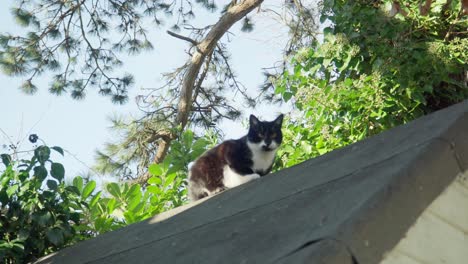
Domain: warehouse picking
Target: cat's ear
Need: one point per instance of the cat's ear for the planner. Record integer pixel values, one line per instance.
(253, 120)
(279, 120)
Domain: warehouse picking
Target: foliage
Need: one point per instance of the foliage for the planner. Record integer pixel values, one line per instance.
(39, 213)
(81, 42)
(129, 203)
(134, 150)
(375, 69)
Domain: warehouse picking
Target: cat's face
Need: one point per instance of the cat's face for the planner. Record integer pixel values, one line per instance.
(264, 135)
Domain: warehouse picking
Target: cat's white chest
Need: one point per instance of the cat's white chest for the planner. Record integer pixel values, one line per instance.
(262, 160)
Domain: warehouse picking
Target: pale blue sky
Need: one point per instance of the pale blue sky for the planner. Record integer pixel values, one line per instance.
(81, 127)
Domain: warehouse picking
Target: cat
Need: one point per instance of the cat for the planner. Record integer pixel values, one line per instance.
(238, 161)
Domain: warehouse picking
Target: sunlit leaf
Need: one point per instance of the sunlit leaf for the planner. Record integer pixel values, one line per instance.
(88, 189)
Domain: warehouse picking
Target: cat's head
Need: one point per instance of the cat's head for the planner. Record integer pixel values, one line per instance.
(265, 135)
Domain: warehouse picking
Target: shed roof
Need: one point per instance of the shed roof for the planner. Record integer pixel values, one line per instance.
(349, 206)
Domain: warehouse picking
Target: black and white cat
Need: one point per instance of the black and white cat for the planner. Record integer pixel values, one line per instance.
(238, 161)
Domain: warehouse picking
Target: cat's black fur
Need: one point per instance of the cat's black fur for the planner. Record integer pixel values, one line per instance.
(234, 162)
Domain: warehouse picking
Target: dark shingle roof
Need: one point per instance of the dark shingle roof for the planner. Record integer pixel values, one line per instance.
(349, 206)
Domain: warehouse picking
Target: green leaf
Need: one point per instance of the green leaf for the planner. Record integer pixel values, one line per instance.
(200, 144)
(95, 199)
(153, 189)
(280, 89)
(139, 208)
(58, 149)
(327, 31)
(98, 223)
(176, 166)
(52, 184)
(348, 82)
(40, 172)
(78, 183)
(6, 159)
(55, 236)
(155, 169)
(23, 175)
(323, 18)
(169, 179)
(88, 189)
(113, 189)
(135, 190)
(18, 246)
(287, 96)
(133, 203)
(12, 190)
(188, 138)
(57, 171)
(111, 205)
(42, 153)
(42, 218)
(154, 180)
(73, 190)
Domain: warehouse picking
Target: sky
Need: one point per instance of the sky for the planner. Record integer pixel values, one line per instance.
(82, 127)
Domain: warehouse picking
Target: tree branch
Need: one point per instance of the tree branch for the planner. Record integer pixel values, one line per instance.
(165, 137)
(425, 8)
(396, 8)
(206, 46)
(175, 35)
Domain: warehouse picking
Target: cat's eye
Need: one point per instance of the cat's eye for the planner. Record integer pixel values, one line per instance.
(261, 135)
(273, 135)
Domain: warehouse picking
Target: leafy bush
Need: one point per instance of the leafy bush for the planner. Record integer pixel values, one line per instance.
(125, 203)
(374, 70)
(39, 213)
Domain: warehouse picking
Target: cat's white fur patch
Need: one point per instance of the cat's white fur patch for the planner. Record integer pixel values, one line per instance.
(195, 189)
(232, 179)
(190, 165)
(261, 159)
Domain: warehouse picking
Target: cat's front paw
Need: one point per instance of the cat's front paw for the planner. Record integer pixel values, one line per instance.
(255, 176)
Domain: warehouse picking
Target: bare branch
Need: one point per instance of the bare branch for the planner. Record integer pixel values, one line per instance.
(175, 35)
(202, 78)
(424, 9)
(396, 9)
